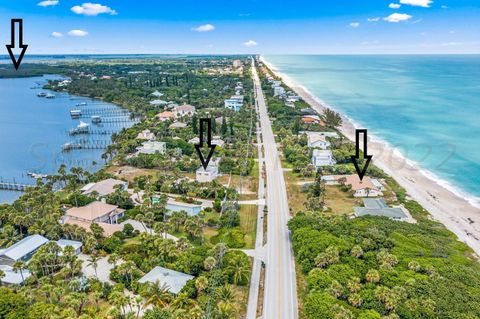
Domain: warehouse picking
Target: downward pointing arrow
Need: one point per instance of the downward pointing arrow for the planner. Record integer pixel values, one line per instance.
(10, 47)
(211, 146)
(356, 157)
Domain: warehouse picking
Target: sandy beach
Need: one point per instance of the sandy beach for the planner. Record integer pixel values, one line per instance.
(455, 212)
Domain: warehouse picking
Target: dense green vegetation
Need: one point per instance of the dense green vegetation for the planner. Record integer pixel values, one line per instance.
(373, 267)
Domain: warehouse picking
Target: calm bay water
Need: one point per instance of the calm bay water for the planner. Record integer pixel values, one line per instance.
(33, 130)
(426, 106)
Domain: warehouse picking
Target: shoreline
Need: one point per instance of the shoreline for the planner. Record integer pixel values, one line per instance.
(455, 212)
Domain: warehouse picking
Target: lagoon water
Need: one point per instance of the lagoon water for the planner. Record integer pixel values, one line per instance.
(426, 106)
(33, 130)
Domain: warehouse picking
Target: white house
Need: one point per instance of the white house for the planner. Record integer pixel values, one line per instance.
(216, 140)
(234, 103)
(318, 141)
(152, 147)
(146, 135)
(278, 91)
(173, 280)
(76, 245)
(322, 158)
(184, 110)
(14, 277)
(209, 174)
(22, 250)
(105, 187)
(378, 207)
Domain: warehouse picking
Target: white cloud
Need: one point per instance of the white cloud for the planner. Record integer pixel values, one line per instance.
(376, 19)
(444, 7)
(47, 3)
(354, 24)
(93, 9)
(77, 33)
(394, 6)
(250, 43)
(56, 34)
(397, 17)
(417, 3)
(204, 28)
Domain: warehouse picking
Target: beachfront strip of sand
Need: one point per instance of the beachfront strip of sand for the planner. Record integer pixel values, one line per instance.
(455, 212)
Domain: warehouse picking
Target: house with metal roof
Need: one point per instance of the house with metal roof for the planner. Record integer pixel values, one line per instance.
(378, 207)
(13, 277)
(22, 250)
(173, 280)
(105, 187)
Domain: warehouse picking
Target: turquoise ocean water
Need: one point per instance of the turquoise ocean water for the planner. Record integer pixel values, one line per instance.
(426, 106)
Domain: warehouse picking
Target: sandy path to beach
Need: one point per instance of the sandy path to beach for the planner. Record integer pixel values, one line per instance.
(455, 212)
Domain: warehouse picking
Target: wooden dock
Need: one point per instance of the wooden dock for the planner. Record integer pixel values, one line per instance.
(16, 187)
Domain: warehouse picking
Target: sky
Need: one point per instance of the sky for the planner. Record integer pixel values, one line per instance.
(245, 26)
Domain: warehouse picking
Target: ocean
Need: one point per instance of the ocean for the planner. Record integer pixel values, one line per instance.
(426, 106)
(34, 129)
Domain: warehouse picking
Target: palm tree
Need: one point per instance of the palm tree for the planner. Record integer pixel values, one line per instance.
(201, 283)
(209, 263)
(355, 300)
(156, 295)
(113, 259)
(335, 289)
(19, 266)
(2, 275)
(356, 251)
(372, 276)
(354, 285)
(93, 261)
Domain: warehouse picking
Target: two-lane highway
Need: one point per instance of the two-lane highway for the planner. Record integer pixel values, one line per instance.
(280, 293)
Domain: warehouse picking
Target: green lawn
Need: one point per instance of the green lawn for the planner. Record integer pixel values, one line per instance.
(248, 224)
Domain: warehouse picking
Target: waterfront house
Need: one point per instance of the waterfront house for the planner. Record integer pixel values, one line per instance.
(234, 103)
(174, 281)
(146, 135)
(312, 119)
(22, 250)
(326, 134)
(278, 91)
(367, 187)
(322, 158)
(378, 207)
(152, 147)
(208, 174)
(317, 141)
(184, 110)
(165, 116)
(105, 187)
(190, 209)
(158, 102)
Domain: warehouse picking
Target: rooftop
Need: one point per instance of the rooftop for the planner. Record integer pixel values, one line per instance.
(173, 280)
(378, 207)
(12, 277)
(24, 247)
(103, 188)
(92, 211)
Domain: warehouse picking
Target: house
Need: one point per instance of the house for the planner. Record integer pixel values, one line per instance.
(157, 94)
(216, 140)
(177, 125)
(173, 280)
(165, 116)
(22, 250)
(190, 209)
(378, 207)
(278, 91)
(208, 174)
(184, 110)
(317, 141)
(237, 63)
(364, 188)
(102, 214)
(76, 245)
(105, 187)
(146, 135)
(152, 147)
(158, 102)
(14, 277)
(312, 119)
(326, 134)
(322, 158)
(234, 103)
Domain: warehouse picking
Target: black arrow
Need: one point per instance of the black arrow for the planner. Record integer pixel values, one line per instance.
(16, 62)
(361, 172)
(211, 146)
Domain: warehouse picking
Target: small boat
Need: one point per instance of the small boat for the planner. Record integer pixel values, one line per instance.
(36, 176)
(42, 94)
(82, 104)
(96, 119)
(50, 96)
(75, 114)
